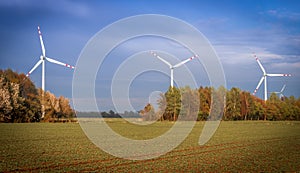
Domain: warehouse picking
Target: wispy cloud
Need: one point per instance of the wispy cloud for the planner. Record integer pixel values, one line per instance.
(74, 8)
(286, 65)
(241, 55)
(283, 14)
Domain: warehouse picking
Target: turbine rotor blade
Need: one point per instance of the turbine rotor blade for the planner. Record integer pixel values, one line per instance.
(166, 62)
(185, 61)
(260, 65)
(34, 67)
(279, 75)
(41, 41)
(59, 63)
(259, 83)
(282, 88)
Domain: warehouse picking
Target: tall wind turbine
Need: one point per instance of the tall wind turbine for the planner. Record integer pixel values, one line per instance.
(173, 66)
(264, 78)
(42, 61)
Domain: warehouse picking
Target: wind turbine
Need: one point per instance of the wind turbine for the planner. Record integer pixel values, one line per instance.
(281, 92)
(42, 61)
(173, 66)
(264, 78)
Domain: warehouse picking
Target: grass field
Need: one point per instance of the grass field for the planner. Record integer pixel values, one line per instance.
(236, 147)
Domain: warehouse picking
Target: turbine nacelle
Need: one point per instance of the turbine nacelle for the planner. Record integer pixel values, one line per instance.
(172, 67)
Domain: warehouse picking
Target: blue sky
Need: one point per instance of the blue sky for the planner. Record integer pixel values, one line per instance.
(235, 29)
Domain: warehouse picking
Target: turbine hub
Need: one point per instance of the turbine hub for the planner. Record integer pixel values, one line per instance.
(42, 57)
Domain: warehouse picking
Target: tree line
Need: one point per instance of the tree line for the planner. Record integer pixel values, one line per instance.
(20, 100)
(237, 105)
(108, 114)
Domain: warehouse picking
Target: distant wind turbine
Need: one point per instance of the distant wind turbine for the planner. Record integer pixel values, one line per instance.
(264, 78)
(280, 92)
(42, 61)
(173, 66)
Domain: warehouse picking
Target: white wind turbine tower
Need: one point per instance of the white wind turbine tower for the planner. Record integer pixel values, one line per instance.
(264, 78)
(173, 66)
(42, 61)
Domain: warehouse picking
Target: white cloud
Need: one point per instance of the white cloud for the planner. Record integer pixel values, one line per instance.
(74, 8)
(287, 65)
(241, 55)
(283, 14)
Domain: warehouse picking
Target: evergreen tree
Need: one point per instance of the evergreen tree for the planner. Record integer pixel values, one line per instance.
(173, 104)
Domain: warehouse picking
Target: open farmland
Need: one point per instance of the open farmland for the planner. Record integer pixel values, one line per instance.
(247, 146)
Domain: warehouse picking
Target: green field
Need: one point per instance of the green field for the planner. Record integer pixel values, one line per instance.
(246, 146)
